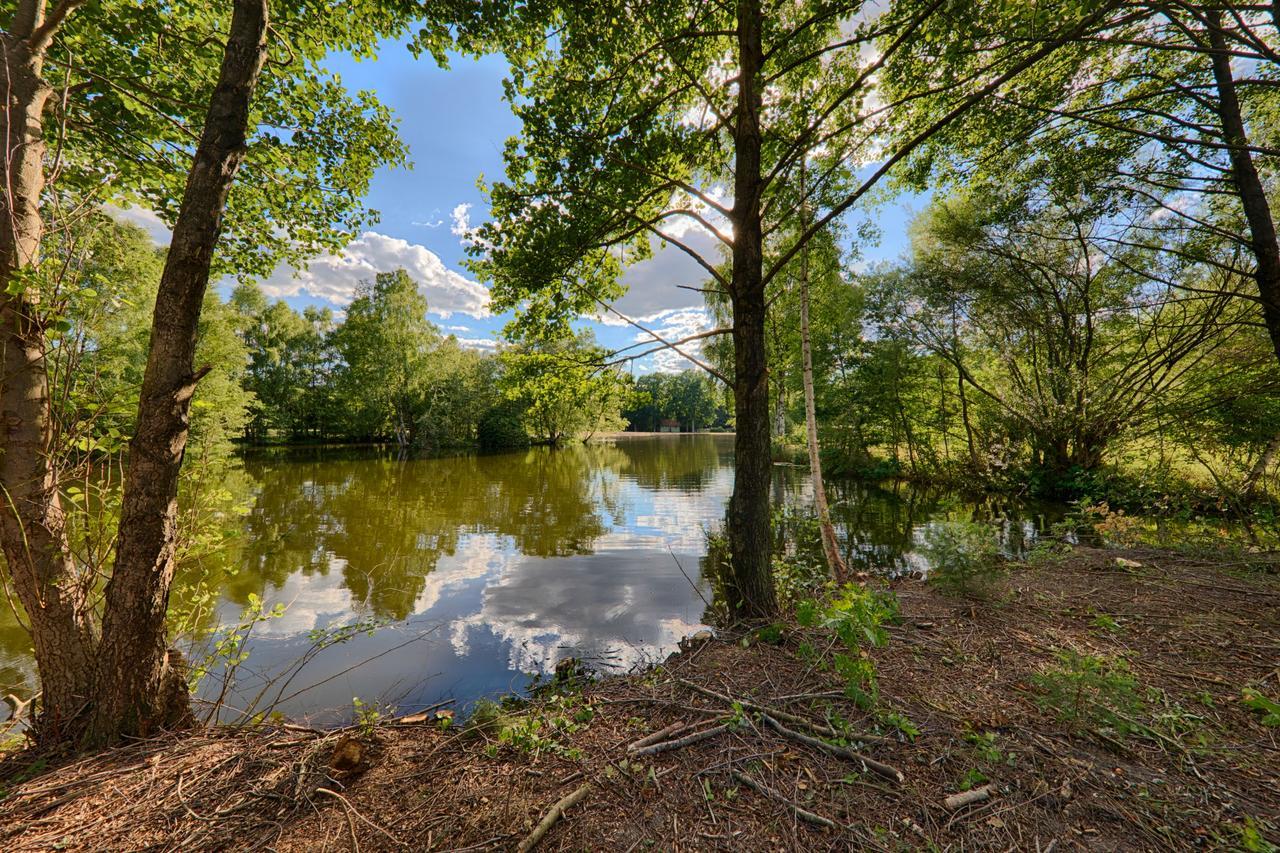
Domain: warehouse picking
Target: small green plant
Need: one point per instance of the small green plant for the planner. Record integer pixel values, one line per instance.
(984, 743)
(1103, 622)
(1087, 691)
(857, 617)
(963, 558)
(972, 778)
(899, 721)
(365, 716)
(1268, 708)
(1251, 839)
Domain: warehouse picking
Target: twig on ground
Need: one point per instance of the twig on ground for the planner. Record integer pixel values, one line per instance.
(554, 814)
(967, 798)
(664, 746)
(779, 714)
(802, 813)
(891, 773)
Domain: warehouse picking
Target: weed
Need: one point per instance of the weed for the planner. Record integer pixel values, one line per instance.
(900, 722)
(1103, 622)
(1086, 691)
(366, 717)
(972, 778)
(857, 617)
(984, 743)
(1251, 839)
(1268, 708)
(963, 558)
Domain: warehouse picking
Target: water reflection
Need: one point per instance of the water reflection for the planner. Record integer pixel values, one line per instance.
(487, 567)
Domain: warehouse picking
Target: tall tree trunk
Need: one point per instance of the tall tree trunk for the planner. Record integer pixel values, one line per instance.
(1253, 196)
(830, 547)
(751, 588)
(141, 686)
(32, 523)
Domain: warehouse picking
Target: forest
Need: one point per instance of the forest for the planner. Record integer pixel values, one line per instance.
(1072, 354)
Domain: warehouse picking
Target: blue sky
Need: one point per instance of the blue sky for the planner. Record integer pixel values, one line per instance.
(455, 123)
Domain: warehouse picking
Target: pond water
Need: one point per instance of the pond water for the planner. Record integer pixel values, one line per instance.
(458, 577)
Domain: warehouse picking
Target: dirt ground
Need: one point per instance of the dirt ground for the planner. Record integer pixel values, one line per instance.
(1140, 741)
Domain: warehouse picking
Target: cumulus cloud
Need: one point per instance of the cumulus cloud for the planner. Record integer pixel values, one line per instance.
(653, 285)
(145, 219)
(333, 278)
(482, 344)
(674, 326)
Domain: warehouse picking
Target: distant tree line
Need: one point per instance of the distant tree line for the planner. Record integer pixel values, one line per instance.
(691, 398)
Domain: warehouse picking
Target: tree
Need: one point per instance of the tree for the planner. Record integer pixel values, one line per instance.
(1170, 104)
(1069, 342)
(562, 391)
(134, 141)
(640, 114)
(385, 344)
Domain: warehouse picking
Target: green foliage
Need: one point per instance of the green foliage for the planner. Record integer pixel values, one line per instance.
(563, 389)
(137, 79)
(1087, 691)
(366, 717)
(1255, 701)
(963, 558)
(856, 616)
(690, 397)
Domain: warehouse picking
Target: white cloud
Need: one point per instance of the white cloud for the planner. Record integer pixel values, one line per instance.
(461, 227)
(145, 219)
(671, 325)
(483, 344)
(653, 285)
(333, 278)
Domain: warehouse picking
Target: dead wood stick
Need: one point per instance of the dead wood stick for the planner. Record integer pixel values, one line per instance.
(967, 798)
(663, 746)
(779, 714)
(803, 814)
(660, 734)
(553, 814)
(891, 773)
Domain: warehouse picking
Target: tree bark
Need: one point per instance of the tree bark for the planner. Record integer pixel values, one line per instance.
(751, 587)
(140, 685)
(32, 523)
(1253, 195)
(1260, 467)
(830, 547)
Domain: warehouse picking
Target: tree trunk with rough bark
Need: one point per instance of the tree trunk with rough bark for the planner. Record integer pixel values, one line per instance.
(1244, 174)
(751, 587)
(32, 523)
(141, 685)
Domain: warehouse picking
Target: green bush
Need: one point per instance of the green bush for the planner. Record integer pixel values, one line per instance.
(501, 427)
(1087, 691)
(963, 558)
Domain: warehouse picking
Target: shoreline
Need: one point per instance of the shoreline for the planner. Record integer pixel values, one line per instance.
(759, 746)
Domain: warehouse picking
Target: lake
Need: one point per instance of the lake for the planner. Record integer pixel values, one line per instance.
(408, 582)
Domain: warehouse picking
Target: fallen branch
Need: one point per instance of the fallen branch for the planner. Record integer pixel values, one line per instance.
(891, 773)
(779, 714)
(801, 813)
(553, 814)
(666, 745)
(660, 734)
(968, 798)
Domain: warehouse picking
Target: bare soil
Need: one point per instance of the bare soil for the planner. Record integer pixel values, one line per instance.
(1196, 769)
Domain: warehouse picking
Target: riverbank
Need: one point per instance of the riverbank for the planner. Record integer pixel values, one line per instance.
(1099, 701)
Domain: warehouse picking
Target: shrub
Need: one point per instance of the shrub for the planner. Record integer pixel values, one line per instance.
(1087, 691)
(963, 558)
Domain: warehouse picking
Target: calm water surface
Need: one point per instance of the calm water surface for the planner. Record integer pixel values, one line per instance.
(479, 570)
